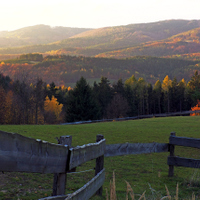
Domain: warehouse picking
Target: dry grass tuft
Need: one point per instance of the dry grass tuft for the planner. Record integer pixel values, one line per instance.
(113, 195)
(129, 190)
(130, 193)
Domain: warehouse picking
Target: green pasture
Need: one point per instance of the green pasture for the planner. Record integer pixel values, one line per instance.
(145, 172)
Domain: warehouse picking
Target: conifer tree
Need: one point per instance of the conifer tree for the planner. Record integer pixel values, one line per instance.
(80, 103)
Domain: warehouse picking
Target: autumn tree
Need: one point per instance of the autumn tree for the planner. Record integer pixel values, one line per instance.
(165, 86)
(52, 110)
(196, 108)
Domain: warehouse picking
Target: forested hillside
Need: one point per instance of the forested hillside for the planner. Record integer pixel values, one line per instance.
(162, 38)
(183, 43)
(66, 70)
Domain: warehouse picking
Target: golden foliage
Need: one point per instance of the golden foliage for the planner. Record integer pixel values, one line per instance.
(166, 83)
(52, 106)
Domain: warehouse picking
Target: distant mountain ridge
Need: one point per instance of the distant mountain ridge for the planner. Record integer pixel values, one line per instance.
(163, 38)
(38, 34)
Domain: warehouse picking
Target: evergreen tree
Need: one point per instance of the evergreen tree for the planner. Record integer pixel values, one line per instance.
(104, 94)
(52, 90)
(157, 96)
(181, 95)
(173, 96)
(194, 88)
(80, 103)
(119, 87)
(131, 95)
(39, 97)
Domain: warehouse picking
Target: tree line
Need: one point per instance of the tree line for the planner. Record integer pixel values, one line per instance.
(22, 102)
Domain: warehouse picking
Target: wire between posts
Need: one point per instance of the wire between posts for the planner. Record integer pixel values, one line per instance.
(81, 171)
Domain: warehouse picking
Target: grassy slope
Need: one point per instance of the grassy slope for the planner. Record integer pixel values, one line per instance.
(138, 170)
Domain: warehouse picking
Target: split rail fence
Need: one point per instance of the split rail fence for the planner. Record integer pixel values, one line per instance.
(22, 154)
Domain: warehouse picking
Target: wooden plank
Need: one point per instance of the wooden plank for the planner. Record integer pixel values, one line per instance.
(89, 189)
(184, 162)
(184, 141)
(22, 154)
(82, 154)
(134, 148)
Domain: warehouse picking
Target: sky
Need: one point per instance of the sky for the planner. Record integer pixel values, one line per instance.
(16, 14)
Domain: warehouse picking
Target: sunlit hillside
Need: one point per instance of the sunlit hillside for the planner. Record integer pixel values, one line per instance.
(155, 39)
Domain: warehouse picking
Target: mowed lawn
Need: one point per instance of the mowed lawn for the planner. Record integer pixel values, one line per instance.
(145, 172)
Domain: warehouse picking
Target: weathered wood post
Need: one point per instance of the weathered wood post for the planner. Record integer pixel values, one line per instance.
(59, 183)
(171, 150)
(99, 164)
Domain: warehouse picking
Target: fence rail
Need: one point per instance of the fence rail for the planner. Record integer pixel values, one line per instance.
(82, 154)
(184, 141)
(184, 162)
(22, 154)
(84, 192)
(134, 148)
(88, 189)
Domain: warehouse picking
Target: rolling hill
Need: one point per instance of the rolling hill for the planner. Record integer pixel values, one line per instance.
(119, 40)
(182, 43)
(38, 34)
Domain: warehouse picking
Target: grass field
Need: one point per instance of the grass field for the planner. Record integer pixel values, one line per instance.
(146, 172)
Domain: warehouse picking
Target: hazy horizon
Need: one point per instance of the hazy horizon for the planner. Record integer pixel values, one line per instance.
(94, 28)
(93, 14)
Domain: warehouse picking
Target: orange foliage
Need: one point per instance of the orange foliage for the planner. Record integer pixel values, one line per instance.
(197, 107)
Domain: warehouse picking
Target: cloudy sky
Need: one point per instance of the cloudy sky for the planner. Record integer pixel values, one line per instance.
(17, 14)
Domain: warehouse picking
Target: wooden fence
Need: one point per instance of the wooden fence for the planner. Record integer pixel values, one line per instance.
(179, 161)
(22, 154)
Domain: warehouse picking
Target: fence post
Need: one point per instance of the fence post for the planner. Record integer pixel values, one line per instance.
(99, 164)
(59, 182)
(171, 150)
